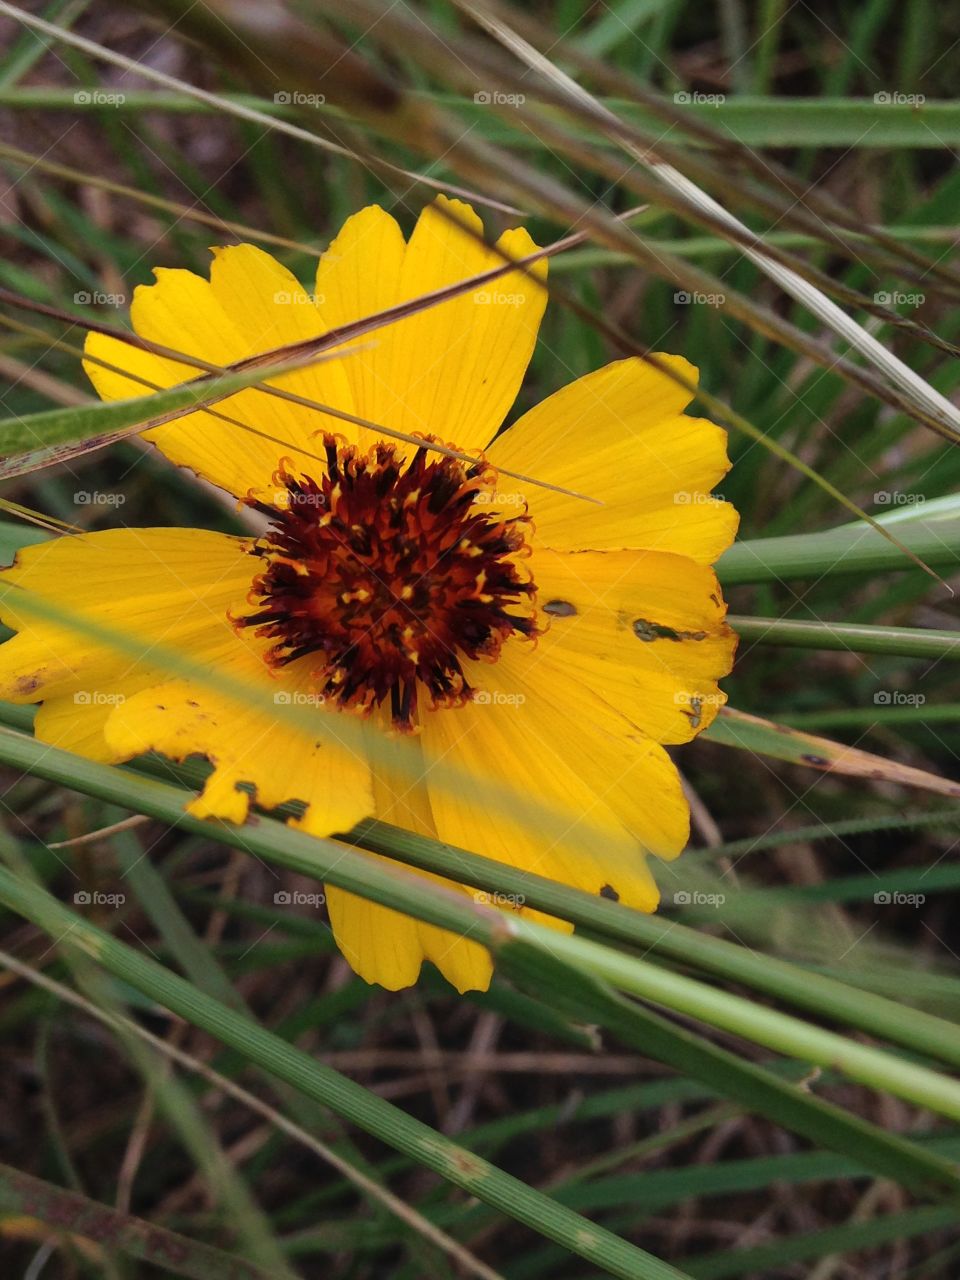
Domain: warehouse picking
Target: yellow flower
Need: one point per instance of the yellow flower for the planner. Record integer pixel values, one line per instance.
(538, 642)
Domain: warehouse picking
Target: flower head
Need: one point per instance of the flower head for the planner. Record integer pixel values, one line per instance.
(542, 644)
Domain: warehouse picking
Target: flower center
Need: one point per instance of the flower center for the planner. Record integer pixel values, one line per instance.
(390, 574)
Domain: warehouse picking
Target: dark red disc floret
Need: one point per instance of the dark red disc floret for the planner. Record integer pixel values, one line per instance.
(390, 573)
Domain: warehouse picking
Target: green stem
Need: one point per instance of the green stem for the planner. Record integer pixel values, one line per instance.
(907, 642)
(848, 549)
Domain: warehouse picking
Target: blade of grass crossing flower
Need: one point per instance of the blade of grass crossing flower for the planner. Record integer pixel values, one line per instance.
(325, 860)
(577, 991)
(344, 732)
(613, 922)
(838, 1001)
(52, 435)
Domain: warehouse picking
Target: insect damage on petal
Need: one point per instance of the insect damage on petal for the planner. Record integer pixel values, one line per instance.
(389, 573)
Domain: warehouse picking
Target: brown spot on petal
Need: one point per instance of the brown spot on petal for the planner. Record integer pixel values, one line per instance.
(643, 629)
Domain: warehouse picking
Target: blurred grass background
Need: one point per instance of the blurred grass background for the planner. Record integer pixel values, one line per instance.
(797, 857)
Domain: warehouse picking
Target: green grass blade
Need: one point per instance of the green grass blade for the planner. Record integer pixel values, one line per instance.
(358, 1105)
(905, 642)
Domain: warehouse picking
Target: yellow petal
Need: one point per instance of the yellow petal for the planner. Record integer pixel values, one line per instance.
(383, 946)
(451, 370)
(619, 436)
(643, 629)
(163, 586)
(251, 304)
(253, 751)
(379, 944)
(535, 732)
